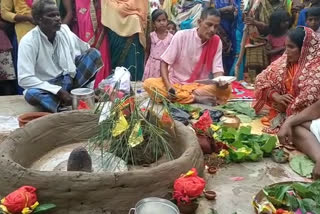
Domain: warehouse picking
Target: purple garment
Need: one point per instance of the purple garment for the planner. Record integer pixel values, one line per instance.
(5, 43)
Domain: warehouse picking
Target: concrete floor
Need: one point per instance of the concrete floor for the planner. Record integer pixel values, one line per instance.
(232, 196)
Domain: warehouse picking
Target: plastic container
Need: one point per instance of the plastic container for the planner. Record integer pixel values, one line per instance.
(83, 99)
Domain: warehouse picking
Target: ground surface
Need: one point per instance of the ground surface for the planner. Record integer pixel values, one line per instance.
(232, 196)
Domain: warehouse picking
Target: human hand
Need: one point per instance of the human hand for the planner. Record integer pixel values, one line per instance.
(65, 97)
(279, 107)
(283, 99)
(172, 93)
(249, 20)
(285, 133)
(30, 19)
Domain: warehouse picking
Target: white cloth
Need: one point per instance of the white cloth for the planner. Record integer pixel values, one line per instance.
(315, 128)
(39, 60)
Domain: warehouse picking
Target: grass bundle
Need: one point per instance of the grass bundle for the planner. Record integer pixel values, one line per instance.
(140, 138)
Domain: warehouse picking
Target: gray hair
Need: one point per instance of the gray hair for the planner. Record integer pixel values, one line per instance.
(38, 8)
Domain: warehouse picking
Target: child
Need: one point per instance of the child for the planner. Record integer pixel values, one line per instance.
(172, 27)
(313, 19)
(160, 40)
(278, 26)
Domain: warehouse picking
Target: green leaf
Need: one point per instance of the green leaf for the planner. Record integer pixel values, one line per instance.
(44, 207)
(310, 205)
(256, 154)
(302, 165)
(302, 190)
(281, 192)
(269, 145)
(241, 108)
(245, 130)
(244, 118)
(240, 155)
(291, 202)
(301, 206)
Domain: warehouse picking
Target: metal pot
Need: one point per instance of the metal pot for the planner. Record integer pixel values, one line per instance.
(84, 95)
(154, 205)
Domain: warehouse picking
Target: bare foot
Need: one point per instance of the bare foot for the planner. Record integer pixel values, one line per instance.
(206, 100)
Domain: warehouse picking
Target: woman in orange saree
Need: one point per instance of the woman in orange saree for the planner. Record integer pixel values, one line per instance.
(291, 83)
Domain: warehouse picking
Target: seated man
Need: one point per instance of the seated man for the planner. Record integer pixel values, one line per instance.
(313, 19)
(193, 54)
(52, 60)
(303, 130)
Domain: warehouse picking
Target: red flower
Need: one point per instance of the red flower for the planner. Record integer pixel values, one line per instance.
(188, 186)
(24, 197)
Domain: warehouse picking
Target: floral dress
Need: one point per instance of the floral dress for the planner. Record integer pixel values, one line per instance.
(6, 65)
(158, 47)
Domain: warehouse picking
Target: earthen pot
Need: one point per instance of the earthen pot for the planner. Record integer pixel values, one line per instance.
(27, 117)
(206, 143)
(283, 158)
(231, 121)
(188, 208)
(212, 170)
(210, 195)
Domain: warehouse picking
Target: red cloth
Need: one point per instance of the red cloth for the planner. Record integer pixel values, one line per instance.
(245, 93)
(23, 197)
(305, 82)
(83, 105)
(188, 186)
(206, 59)
(204, 123)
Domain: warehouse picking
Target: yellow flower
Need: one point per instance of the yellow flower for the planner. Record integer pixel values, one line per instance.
(4, 208)
(266, 208)
(244, 150)
(189, 173)
(35, 205)
(215, 127)
(223, 153)
(26, 210)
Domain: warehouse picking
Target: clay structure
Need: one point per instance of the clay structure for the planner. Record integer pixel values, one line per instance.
(82, 192)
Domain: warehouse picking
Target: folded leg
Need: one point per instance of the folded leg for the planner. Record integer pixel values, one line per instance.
(37, 97)
(88, 65)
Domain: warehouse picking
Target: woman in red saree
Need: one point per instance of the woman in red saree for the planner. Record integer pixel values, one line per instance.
(291, 83)
(91, 30)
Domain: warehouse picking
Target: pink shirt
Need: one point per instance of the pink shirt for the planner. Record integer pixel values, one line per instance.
(183, 54)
